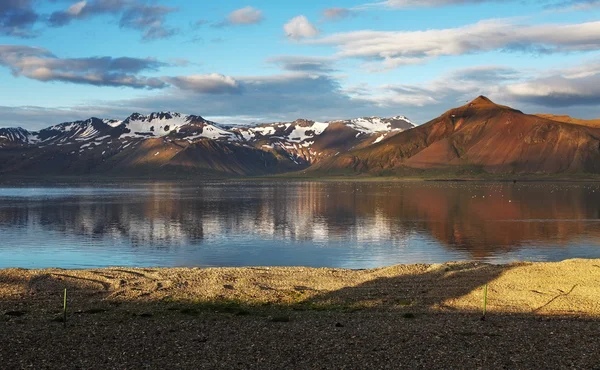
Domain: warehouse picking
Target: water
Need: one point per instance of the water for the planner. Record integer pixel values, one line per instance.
(334, 224)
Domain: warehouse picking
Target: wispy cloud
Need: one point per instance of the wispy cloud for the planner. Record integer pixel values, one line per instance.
(213, 83)
(574, 5)
(134, 14)
(336, 14)
(422, 3)
(86, 9)
(149, 19)
(295, 63)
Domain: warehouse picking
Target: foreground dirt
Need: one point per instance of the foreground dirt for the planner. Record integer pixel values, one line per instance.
(540, 315)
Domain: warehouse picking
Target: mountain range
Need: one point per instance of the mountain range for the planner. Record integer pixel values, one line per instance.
(167, 143)
(478, 137)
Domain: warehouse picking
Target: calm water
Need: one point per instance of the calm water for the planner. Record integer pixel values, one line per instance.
(335, 224)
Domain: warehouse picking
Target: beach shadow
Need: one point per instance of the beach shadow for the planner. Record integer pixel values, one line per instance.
(435, 287)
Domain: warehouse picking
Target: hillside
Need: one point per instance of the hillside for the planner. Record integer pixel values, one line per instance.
(481, 136)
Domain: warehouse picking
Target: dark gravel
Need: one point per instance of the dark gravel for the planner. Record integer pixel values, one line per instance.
(121, 339)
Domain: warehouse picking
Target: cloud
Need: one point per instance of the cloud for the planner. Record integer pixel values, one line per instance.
(394, 49)
(247, 15)
(426, 3)
(299, 28)
(566, 87)
(150, 19)
(40, 64)
(424, 101)
(574, 91)
(199, 23)
(272, 98)
(180, 62)
(85, 9)
(288, 96)
(402, 4)
(574, 5)
(303, 63)
(241, 17)
(134, 14)
(213, 83)
(334, 14)
(36, 118)
(17, 18)
(480, 74)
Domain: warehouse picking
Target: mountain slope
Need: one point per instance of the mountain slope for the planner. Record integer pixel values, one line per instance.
(575, 121)
(481, 134)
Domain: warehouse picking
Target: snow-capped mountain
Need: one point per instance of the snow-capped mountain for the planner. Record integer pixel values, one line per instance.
(307, 141)
(162, 124)
(373, 125)
(16, 136)
(164, 138)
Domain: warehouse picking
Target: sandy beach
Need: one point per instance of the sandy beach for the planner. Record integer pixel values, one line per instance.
(539, 315)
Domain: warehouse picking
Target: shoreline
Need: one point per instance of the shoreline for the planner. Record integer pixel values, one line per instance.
(294, 177)
(122, 181)
(516, 287)
(541, 314)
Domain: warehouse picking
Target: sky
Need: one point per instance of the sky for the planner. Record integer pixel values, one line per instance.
(239, 62)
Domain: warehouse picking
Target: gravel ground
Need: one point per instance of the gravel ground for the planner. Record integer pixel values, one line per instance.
(420, 316)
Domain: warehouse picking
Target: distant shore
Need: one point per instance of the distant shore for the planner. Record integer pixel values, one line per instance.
(8, 179)
(304, 317)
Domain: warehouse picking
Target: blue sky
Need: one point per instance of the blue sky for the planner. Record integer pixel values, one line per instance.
(259, 61)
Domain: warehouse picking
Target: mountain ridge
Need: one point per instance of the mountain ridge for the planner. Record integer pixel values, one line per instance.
(162, 141)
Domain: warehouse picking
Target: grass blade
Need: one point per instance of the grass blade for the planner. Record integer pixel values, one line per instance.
(485, 291)
(65, 309)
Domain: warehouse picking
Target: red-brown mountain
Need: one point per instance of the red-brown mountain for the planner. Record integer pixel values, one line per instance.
(481, 136)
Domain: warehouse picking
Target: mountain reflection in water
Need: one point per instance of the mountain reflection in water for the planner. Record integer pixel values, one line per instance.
(337, 224)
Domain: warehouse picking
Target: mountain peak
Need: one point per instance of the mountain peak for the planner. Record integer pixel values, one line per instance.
(481, 101)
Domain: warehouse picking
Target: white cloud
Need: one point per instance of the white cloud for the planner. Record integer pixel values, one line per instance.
(247, 15)
(565, 87)
(76, 8)
(393, 49)
(299, 28)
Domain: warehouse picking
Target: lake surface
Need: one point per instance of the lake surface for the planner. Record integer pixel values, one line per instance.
(333, 224)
